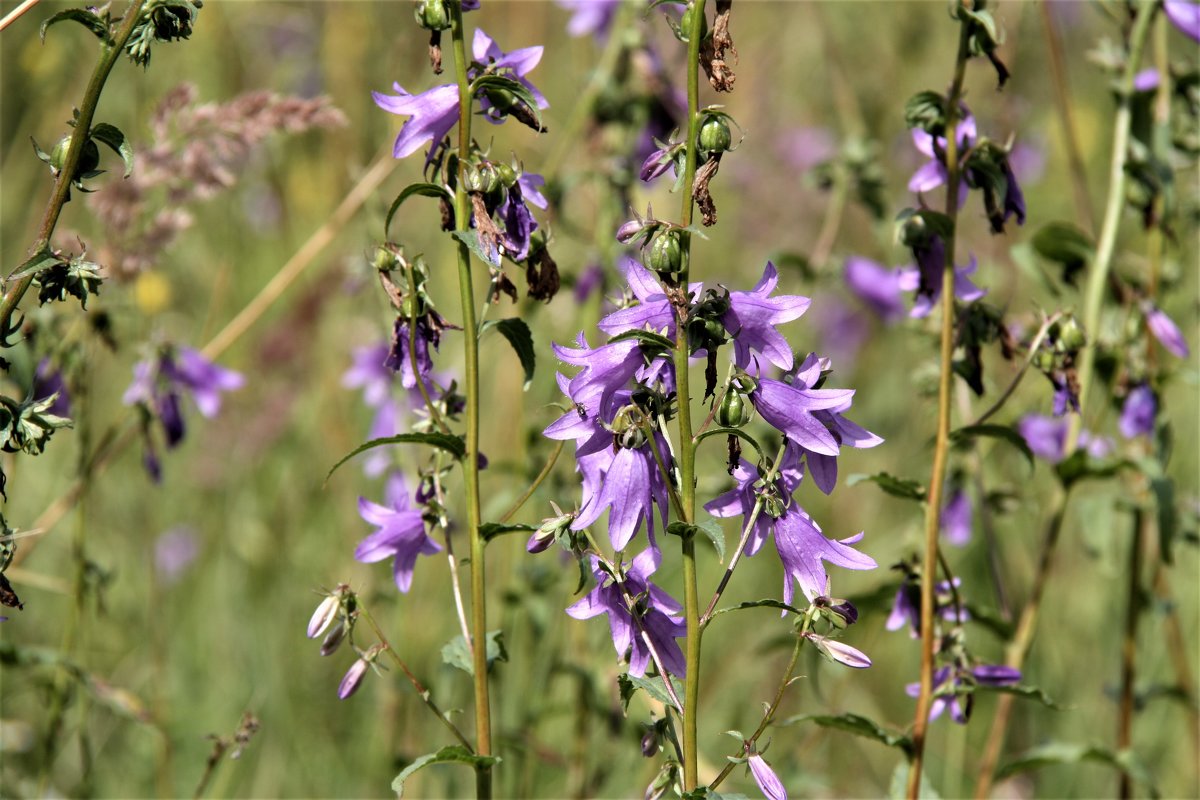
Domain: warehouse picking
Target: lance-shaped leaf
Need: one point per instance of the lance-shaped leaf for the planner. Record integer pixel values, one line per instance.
(709, 528)
(85, 17)
(442, 441)
(652, 686)
(422, 189)
(471, 240)
(767, 603)
(1053, 753)
(519, 336)
(453, 754)
(857, 725)
(903, 488)
(456, 654)
(490, 530)
(1001, 432)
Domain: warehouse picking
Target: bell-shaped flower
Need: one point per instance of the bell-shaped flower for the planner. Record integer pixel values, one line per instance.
(934, 173)
(400, 532)
(768, 782)
(952, 686)
(370, 373)
(1164, 329)
(657, 614)
(926, 278)
(1184, 15)
(517, 64)
(1137, 415)
(876, 286)
(752, 317)
(803, 549)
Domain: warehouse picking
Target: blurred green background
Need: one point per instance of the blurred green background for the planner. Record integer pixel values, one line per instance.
(226, 635)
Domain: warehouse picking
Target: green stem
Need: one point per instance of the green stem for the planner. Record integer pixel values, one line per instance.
(83, 126)
(1098, 275)
(937, 480)
(462, 220)
(1129, 648)
(1018, 648)
(533, 487)
(770, 713)
(687, 445)
(416, 684)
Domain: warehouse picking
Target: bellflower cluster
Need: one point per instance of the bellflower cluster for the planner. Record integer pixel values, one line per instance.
(657, 614)
(161, 382)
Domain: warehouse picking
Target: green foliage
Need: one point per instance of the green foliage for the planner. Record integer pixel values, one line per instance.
(709, 528)
(904, 488)
(99, 26)
(457, 654)
(859, 726)
(517, 332)
(965, 435)
(451, 754)
(412, 190)
(453, 445)
(1062, 753)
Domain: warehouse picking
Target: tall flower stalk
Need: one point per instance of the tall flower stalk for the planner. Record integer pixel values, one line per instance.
(462, 222)
(687, 447)
(937, 480)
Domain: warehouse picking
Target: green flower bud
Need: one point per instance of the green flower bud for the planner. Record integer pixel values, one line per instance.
(386, 258)
(714, 136)
(508, 175)
(666, 254)
(1070, 334)
(734, 411)
(89, 159)
(431, 14)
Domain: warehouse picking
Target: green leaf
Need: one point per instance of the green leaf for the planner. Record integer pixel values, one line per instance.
(43, 259)
(652, 340)
(857, 725)
(496, 87)
(456, 654)
(453, 754)
(926, 110)
(1001, 432)
(655, 687)
(112, 136)
(1067, 753)
(442, 441)
(768, 603)
(1063, 243)
(471, 240)
(1168, 516)
(1080, 466)
(490, 530)
(521, 339)
(1022, 690)
(903, 488)
(711, 530)
(989, 619)
(93, 22)
(422, 189)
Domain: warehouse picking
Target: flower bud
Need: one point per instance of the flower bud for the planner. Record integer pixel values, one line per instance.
(333, 639)
(431, 14)
(549, 532)
(89, 159)
(326, 612)
(839, 652)
(386, 259)
(734, 411)
(714, 136)
(352, 679)
(666, 254)
(482, 178)
(1070, 334)
(508, 176)
(630, 230)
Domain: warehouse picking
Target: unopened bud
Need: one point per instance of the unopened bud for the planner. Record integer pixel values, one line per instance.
(431, 14)
(386, 259)
(839, 652)
(714, 136)
(326, 612)
(1070, 334)
(549, 532)
(352, 679)
(734, 411)
(333, 639)
(666, 254)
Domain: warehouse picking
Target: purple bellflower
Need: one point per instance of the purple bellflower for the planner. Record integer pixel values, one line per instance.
(49, 381)
(433, 113)
(906, 607)
(400, 532)
(1184, 15)
(658, 615)
(516, 217)
(926, 278)
(750, 320)
(768, 782)
(370, 373)
(594, 17)
(934, 173)
(1164, 329)
(801, 545)
(1137, 415)
(957, 517)
(812, 418)
(876, 286)
(1047, 438)
(951, 684)
(159, 384)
